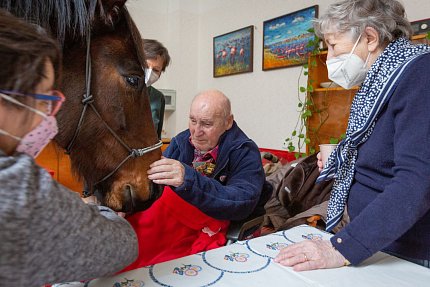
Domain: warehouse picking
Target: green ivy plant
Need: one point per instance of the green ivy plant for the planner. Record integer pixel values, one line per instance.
(298, 140)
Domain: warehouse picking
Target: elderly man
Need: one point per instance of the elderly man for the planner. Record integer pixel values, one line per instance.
(213, 174)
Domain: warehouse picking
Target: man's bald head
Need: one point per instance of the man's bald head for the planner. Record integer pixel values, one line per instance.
(215, 99)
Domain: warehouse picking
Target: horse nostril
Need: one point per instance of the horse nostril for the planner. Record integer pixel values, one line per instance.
(127, 205)
(156, 191)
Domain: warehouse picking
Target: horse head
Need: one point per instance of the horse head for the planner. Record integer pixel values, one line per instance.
(105, 123)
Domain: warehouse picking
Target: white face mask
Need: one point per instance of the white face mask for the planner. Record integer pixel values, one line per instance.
(347, 70)
(150, 77)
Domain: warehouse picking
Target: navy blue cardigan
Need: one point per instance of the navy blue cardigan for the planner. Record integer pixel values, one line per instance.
(234, 190)
(389, 201)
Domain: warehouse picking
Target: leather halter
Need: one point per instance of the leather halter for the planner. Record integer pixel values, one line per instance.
(88, 100)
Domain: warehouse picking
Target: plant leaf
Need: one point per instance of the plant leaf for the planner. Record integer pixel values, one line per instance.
(334, 140)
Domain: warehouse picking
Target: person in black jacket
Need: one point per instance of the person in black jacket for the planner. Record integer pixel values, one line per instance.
(157, 59)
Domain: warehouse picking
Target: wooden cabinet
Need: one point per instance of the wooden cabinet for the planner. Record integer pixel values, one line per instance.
(166, 142)
(330, 109)
(55, 160)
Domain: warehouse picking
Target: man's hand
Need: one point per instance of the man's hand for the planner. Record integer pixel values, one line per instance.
(167, 171)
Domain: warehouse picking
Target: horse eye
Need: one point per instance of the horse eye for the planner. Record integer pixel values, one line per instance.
(133, 81)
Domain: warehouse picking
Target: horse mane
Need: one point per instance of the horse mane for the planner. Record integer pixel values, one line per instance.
(70, 18)
(61, 17)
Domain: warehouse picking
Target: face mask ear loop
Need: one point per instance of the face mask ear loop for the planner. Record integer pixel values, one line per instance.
(355, 46)
(3, 132)
(367, 60)
(12, 100)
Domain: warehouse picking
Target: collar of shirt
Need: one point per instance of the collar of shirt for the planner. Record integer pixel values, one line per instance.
(199, 156)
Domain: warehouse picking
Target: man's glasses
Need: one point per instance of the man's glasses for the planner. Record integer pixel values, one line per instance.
(48, 104)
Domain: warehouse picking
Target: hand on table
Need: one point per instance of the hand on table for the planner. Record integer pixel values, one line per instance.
(310, 255)
(167, 171)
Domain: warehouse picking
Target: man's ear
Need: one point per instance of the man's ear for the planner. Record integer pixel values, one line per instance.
(230, 120)
(373, 41)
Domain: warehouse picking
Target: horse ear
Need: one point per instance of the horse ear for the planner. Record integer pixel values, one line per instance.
(112, 9)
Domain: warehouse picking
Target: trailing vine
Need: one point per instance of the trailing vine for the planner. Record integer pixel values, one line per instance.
(297, 141)
(306, 108)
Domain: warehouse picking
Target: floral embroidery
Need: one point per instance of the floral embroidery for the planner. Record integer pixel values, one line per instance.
(239, 257)
(312, 236)
(276, 246)
(129, 283)
(187, 270)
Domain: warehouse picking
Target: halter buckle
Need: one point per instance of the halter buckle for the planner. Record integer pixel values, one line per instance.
(87, 99)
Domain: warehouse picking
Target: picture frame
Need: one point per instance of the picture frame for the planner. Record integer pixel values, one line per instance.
(286, 39)
(421, 26)
(233, 52)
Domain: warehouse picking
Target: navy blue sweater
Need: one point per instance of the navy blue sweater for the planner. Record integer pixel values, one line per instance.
(389, 201)
(234, 190)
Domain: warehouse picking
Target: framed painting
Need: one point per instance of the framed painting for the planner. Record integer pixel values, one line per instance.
(286, 38)
(233, 52)
(421, 26)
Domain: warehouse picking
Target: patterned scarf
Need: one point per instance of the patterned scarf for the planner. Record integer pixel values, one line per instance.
(205, 163)
(380, 83)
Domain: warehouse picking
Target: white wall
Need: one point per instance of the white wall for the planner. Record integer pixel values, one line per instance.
(263, 102)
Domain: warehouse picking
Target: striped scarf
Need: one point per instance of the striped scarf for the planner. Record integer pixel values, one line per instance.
(380, 83)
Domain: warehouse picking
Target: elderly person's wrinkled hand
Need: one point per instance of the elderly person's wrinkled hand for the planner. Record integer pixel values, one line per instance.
(310, 255)
(167, 171)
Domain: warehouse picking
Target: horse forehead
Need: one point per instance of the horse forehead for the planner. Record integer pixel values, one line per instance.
(115, 47)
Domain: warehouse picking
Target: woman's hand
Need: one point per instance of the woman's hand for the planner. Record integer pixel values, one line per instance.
(90, 200)
(320, 163)
(167, 171)
(310, 255)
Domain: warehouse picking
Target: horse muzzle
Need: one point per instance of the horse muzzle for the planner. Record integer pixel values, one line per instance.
(132, 203)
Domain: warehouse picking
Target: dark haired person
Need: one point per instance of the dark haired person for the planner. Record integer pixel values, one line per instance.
(48, 234)
(157, 59)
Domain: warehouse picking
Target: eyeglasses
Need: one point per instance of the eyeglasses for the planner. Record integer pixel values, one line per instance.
(50, 104)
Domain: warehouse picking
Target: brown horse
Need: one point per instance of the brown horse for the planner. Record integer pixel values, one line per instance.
(105, 123)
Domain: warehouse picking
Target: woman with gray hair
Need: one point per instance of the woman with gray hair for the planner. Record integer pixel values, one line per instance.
(382, 167)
